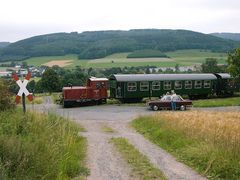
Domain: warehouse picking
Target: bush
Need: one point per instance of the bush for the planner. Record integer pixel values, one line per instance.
(6, 100)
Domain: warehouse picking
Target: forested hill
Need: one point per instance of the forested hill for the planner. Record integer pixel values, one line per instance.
(232, 36)
(98, 44)
(4, 44)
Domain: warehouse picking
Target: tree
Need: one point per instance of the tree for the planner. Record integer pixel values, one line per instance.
(177, 68)
(31, 85)
(50, 81)
(147, 70)
(6, 100)
(234, 64)
(210, 66)
(24, 64)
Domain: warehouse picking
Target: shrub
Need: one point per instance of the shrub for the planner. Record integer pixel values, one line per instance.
(6, 100)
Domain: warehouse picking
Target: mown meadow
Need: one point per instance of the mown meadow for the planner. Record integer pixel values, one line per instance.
(206, 141)
(181, 57)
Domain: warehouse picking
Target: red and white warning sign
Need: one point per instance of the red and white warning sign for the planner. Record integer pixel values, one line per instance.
(22, 85)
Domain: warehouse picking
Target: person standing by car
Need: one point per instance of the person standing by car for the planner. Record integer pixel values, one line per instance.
(173, 100)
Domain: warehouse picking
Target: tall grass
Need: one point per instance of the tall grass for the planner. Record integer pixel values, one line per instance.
(207, 141)
(37, 146)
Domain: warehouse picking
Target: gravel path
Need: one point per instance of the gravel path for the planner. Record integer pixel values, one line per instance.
(104, 162)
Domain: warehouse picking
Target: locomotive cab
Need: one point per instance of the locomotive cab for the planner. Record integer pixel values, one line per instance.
(94, 91)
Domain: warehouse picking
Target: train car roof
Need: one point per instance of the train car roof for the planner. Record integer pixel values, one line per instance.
(160, 77)
(224, 75)
(97, 79)
(76, 87)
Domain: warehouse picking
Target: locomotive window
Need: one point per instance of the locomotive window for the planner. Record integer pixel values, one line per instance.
(178, 84)
(167, 85)
(188, 84)
(132, 86)
(144, 86)
(198, 84)
(155, 85)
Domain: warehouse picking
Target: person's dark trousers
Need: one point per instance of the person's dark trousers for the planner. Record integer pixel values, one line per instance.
(173, 105)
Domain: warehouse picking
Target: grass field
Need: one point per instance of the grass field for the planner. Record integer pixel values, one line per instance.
(140, 164)
(206, 141)
(181, 57)
(37, 146)
(232, 101)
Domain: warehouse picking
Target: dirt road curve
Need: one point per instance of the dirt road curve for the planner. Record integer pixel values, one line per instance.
(103, 160)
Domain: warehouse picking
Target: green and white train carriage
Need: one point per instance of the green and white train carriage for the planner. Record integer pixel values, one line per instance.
(134, 87)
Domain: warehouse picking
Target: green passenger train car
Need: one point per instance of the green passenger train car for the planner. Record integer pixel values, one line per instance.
(134, 87)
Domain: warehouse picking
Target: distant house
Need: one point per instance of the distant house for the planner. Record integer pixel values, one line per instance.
(5, 73)
(23, 71)
(18, 66)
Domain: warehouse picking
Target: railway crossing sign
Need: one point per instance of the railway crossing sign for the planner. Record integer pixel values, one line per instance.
(23, 90)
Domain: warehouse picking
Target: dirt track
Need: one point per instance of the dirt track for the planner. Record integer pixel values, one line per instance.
(103, 161)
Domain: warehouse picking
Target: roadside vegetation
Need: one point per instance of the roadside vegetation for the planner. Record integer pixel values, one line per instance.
(37, 146)
(208, 143)
(232, 101)
(6, 100)
(140, 164)
(107, 129)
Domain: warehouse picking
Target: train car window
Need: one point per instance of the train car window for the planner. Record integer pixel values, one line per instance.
(178, 84)
(198, 84)
(144, 86)
(207, 84)
(132, 86)
(167, 85)
(188, 84)
(155, 85)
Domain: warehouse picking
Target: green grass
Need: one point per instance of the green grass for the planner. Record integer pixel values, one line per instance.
(203, 152)
(141, 166)
(181, 57)
(233, 101)
(196, 56)
(107, 129)
(3, 68)
(147, 53)
(37, 146)
(56, 97)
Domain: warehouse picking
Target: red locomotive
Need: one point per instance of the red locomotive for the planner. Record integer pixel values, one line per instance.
(94, 91)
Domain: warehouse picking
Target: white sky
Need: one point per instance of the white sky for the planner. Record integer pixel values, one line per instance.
(21, 19)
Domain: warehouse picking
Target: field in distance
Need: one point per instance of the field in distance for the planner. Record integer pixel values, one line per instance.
(181, 57)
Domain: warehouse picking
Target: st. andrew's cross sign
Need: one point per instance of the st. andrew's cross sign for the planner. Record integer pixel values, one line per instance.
(23, 90)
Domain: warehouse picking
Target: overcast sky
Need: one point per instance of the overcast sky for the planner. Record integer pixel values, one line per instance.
(20, 19)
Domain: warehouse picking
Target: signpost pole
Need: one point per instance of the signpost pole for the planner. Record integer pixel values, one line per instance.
(24, 103)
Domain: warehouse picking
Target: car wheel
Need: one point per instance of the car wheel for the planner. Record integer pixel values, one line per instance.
(155, 108)
(182, 108)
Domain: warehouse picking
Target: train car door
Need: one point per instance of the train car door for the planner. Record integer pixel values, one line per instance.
(119, 91)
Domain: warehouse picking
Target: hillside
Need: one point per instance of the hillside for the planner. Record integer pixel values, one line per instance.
(98, 44)
(4, 44)
(231, 36)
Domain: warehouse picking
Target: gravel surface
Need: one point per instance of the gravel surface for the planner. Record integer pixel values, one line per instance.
(103, 160)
